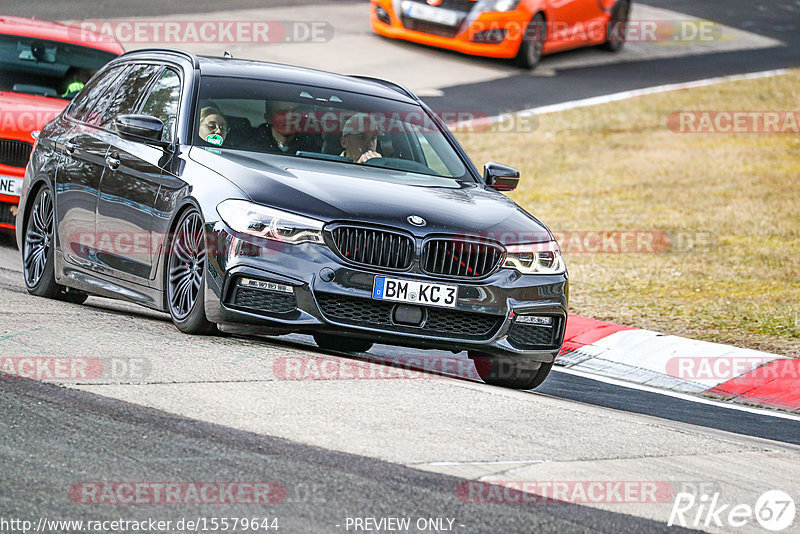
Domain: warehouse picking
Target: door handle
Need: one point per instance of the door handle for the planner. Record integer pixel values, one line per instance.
(70, 147)
(112, 161)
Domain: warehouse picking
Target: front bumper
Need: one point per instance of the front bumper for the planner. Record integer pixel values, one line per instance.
(10, 187)
(8, 212)
(329, 296)
(512, 23)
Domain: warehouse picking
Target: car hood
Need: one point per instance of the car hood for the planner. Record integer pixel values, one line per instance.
(21, 114)
(334, 191)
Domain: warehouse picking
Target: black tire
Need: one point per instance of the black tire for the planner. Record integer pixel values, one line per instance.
(616, 33)
(342, 344)
(38, 251)
(509, 373)
(184, 274)
(530, 49)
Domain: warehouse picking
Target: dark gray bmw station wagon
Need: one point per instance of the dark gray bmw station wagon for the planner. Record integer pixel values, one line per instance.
(241, 196)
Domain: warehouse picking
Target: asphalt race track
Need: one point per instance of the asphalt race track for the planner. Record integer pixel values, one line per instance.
(107, 438)
(170, 407)
(220, 409)
(778, 20)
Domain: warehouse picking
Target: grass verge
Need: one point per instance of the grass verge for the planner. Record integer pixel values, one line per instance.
(729, 202)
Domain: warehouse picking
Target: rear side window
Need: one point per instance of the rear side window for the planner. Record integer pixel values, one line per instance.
(128, 95)
(162, 102)
(90, 101)
(42, 67)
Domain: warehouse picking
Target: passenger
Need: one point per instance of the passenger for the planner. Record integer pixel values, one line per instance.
(282, 132)
(360, 138)
(213, 127)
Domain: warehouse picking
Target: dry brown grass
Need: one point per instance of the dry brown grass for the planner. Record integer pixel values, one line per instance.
(618, 167)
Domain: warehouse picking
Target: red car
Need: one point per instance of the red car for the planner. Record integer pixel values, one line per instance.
(520, 29)
(42, 66)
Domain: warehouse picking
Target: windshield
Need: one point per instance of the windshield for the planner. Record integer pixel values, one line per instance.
(324, 124)
(47, 68)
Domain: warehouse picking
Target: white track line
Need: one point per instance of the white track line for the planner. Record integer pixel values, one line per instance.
(625, 95)
(683, 396)
(500, 462)
(616, 97)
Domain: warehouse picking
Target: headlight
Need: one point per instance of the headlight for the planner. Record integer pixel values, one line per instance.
(536, 258)
(269, 223)
(500, 5)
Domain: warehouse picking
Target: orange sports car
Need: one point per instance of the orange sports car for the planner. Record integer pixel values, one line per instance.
(520, 29)
(42, 66)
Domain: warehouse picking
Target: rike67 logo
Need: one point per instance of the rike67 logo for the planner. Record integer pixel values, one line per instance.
(774, 511)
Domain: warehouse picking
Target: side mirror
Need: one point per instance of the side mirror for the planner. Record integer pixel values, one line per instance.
(500, 177)
(140, 128)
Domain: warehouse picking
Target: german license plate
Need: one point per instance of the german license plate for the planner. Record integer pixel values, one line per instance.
(432, 14)
(10, 185)
(414, 292)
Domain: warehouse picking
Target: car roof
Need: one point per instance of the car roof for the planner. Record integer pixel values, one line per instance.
(54, 31)
(215, 66)
(262, 70)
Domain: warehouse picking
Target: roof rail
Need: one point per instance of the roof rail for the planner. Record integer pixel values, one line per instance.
(386, 83)
(188, 55)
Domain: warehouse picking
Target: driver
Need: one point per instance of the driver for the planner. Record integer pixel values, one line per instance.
(282, 133)
(75, 79)
(360, 138)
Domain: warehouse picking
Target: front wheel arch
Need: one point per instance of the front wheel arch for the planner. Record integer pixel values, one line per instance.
(186, 204)
(46, 286)
(36, 184)
(194, 321)
(620, 14)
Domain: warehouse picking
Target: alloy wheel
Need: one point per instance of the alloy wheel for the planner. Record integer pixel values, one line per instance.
(187, 257)
(38, 238)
